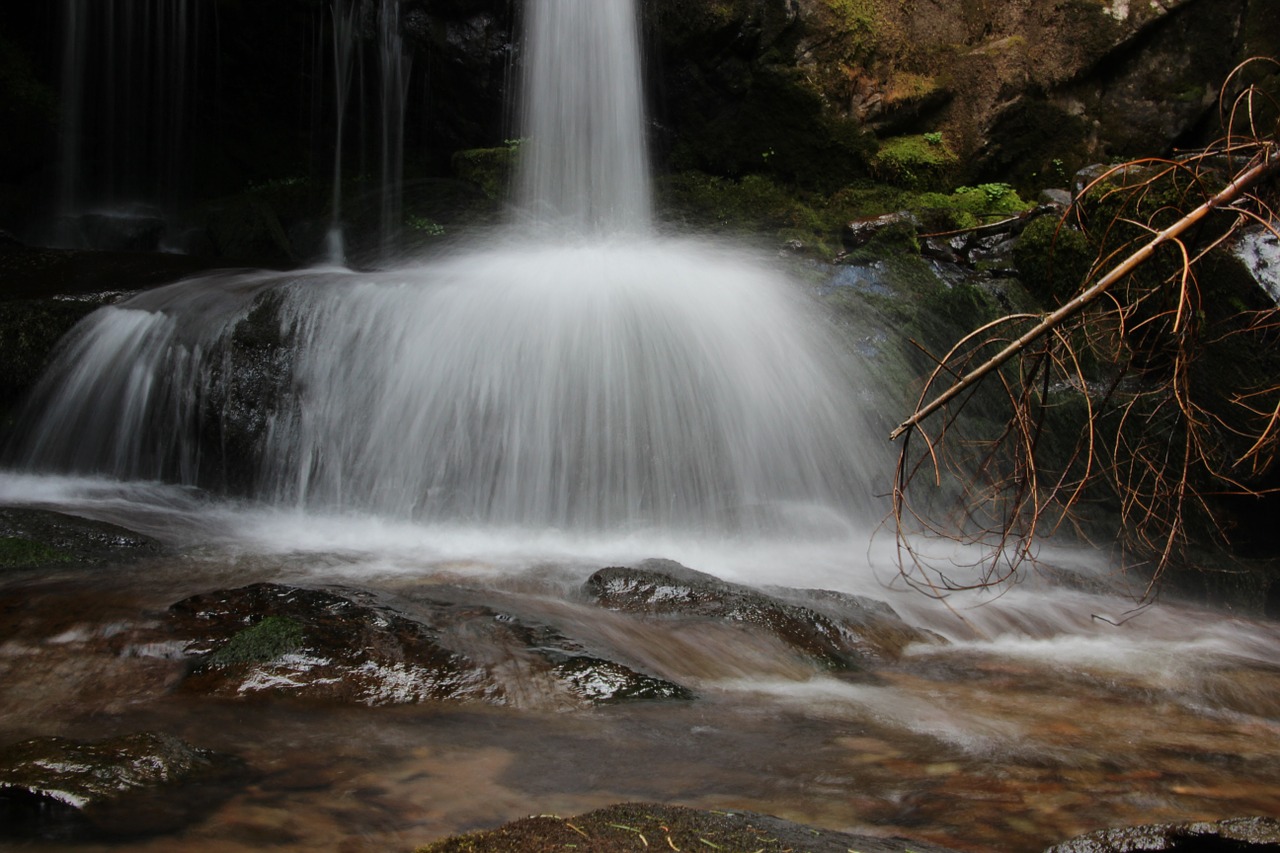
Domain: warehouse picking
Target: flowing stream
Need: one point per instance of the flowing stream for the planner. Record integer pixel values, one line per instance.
(580, 393)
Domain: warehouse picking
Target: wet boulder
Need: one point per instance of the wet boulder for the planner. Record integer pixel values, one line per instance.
(343, 646)
(650, 826)
(901, 225)
(267, 639)
(141, 784)
(36, 538)
(1236, 835)
(839, 631)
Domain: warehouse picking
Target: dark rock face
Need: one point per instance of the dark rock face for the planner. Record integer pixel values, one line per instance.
(53, 788)
(34, 538)
(29, 332)
(1236, 835)
(250, 385)
(837, 630)
(341, 646)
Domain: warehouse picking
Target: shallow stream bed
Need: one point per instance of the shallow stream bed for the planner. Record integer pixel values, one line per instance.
(1035, 722)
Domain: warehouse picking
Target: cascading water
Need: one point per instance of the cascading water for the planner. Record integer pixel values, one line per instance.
(131, 70)
(601, 380)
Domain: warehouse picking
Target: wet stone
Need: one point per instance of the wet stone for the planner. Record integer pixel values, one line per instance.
(839, 631)
(268, 639)
(650, 826)
(140, 784)
(1235, 835)
(605, 682)
(36, 538)
(341, 645)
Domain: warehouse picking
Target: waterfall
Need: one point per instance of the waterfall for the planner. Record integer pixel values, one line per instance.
(395, 67)
(584, 163)
(395, 63)
(582, 376)
(344, 45)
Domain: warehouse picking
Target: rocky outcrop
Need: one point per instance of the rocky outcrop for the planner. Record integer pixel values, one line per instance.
(141, 784)
(1017, 89)
(836, 630)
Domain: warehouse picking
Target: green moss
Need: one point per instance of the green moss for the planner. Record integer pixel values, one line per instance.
(754, 204)
(17, 552)
(273, 637)
(968, 207)
(860, 22)
(923, 161)
(1052, 259)
(489, 169)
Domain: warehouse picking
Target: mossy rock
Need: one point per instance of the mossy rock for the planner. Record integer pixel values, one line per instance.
(34, 538)
(489, 169)
(923, 161)
(18, 552)
(1053, 259)
(752, 205)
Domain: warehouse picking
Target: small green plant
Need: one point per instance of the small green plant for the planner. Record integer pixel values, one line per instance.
(933, 137)
(423, 225)
(995, 193)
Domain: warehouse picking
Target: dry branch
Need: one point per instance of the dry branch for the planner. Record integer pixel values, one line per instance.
(1269, 159)
(1170, 384)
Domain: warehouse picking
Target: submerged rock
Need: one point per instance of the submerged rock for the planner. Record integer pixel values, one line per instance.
(37, 538)
(272, 640)
(840, 631)
(1235, 835)
(267, 639)
(649, 826)
(140, 784)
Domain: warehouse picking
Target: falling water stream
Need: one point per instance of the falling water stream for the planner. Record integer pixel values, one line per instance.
(578, 393)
